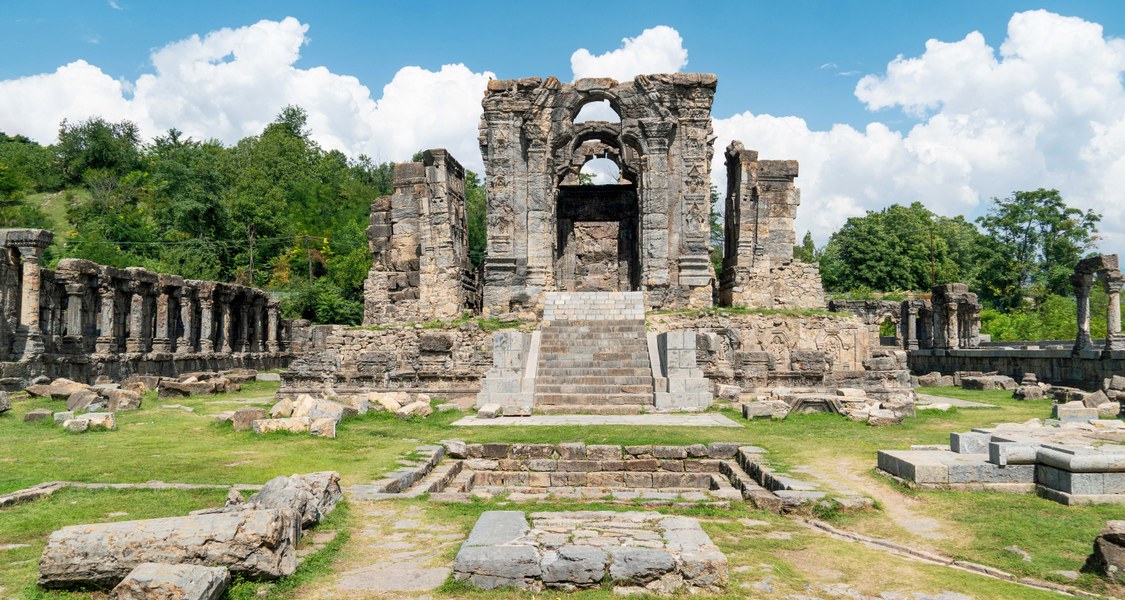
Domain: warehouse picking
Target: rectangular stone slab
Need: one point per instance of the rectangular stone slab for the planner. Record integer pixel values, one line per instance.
(254, 544)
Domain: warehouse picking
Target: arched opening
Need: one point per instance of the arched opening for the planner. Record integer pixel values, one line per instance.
(888, 332)
(597, 110)
(599, 171)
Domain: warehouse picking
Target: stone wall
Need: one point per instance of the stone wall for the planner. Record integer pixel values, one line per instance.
(759, 270)
(1087, 369)
(760, 350)
(349, 360)
(85, 320)
(420, 247)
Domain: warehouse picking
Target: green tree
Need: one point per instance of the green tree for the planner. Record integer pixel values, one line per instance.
(98, 144)
(900, 248)
(806, 251)
(475, 208)
(1033, 242)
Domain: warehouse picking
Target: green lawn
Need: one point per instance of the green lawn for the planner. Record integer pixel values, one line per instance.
(175, 445)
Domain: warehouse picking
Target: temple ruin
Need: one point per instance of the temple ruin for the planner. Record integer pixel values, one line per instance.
(83, 320)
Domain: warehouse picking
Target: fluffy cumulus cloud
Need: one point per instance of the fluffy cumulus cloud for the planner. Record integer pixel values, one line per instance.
(1046, 110)
(656, 50)
(230, 83)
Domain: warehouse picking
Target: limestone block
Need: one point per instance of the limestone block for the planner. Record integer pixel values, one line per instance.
(122, 399)
(282, 409)
(355, 405)
(1029, 392)
(1108, 558)
(969, 442)
(489, 411)
(1108, 410)
(154, 581)
(243, 418)
(62, 417)
(323, 427)
(255, 544)
(1095, 399)
(1073, 412)
(414, 409)
(881, 417)
(291, 424)
(59, 389)
(730, 393)
(100, 420)
(312, 496)
(84, 399)
(1117, 382)
(574, 566)
(639, 565)
(37, 414)
(5, 402)
(76, 425)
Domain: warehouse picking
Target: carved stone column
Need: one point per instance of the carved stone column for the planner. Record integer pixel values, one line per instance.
(228, 327)
(272, 333)
(243, 344)
(909, 332)
(184, 342)
(74, 327)
(1082, 283)
(206, 324)
(136, 340)
(107, 334)
(30, 285)
(257, 341)
(1113, 339)
(162, 342)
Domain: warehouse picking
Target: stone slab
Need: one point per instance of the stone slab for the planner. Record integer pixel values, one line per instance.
(647, 420)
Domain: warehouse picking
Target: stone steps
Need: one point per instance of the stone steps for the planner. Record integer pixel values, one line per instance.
(591, 409)
(566, 387)
(580, 399)
(568, 372)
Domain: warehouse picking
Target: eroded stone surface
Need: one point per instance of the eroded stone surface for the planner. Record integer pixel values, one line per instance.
(154, 581)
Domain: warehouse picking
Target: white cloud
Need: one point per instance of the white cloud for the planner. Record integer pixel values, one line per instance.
(230, 83)
(1047, 110)
(656, 50)
(115, 5)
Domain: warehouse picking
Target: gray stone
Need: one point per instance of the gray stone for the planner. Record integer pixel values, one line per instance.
(1095, 399)
(153, 581)
(76, 425)
(639, 565)
(489, 411)
(5, 402)
(243, 418)
(312, 496)
(122, 399)
(255, 544)
(1029, 392)
(491, 567)
(496, 527)
(62, 417)
(1108, 558)
(82, 399)
(282, 409)
(1073, 412)
(581, 566)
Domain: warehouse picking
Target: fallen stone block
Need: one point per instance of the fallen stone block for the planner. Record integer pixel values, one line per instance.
(516, 410)
(282, 409)
(100, 420)
(313, 408)
(1108, 559)
(355, 405)
(37, 414)
(730, 393)
(254, 544)
(1108, 410)
(122, 399)
(224, 417)
(141, 383)
(1073, 412)
(323, 427)
(267, 377)
(84, 399)
(414, 409)
(62, 417)
(931, 379)
(5, 402)
(155, 581)
(988, 382)
(390, 401)
(291, 424)
(489, 411)
(76, 425)
(1029, 392)
(243, 418)
(1095, 399)
(311, 496)
(881, 417)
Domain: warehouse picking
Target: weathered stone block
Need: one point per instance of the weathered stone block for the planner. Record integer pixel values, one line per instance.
(153, 581)
(243, 418)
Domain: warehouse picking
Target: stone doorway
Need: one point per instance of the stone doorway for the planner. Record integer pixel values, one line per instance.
(597, 249)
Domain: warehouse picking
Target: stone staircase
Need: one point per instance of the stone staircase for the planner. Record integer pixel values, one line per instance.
(593, 357)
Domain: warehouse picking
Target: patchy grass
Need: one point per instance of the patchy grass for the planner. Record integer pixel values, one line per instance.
(744, 310)
(175, 445)
(485, 323)
(29, 525)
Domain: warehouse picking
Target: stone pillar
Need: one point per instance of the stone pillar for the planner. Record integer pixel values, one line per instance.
(1082, 284)
(74, 293)
(656, 271)
(183, 342)
(909, 331)
(30, 285)
(107, 336)
(162, 342)
(136, 340)
(206, 324)
(257, 341)
(272, 333)
(228, 329)
(1113, 339)
(243, 327)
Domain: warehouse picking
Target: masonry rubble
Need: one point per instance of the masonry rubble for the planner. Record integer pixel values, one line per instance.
(83, 320)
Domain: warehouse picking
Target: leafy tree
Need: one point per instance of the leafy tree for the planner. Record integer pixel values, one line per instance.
(98, 144)
(806, 251)
(718, 232)
(475, 208)
(1034, 241)
(900, 248)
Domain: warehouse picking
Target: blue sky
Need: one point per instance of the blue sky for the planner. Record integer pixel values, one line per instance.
(788, 72)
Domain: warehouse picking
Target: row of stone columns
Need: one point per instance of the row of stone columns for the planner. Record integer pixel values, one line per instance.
(109, 311)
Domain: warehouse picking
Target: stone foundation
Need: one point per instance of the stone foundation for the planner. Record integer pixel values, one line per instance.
(638, 552)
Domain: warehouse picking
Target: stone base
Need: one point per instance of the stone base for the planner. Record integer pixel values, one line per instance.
(637, 551)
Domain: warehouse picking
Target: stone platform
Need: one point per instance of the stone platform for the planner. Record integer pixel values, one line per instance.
(646, 420)
(1072, 463)
(639, 552)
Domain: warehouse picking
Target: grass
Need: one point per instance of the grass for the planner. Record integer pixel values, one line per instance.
(743, 310)
(484, 323)
(174, 445)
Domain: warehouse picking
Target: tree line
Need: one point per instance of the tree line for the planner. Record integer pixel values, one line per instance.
(274, 210)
